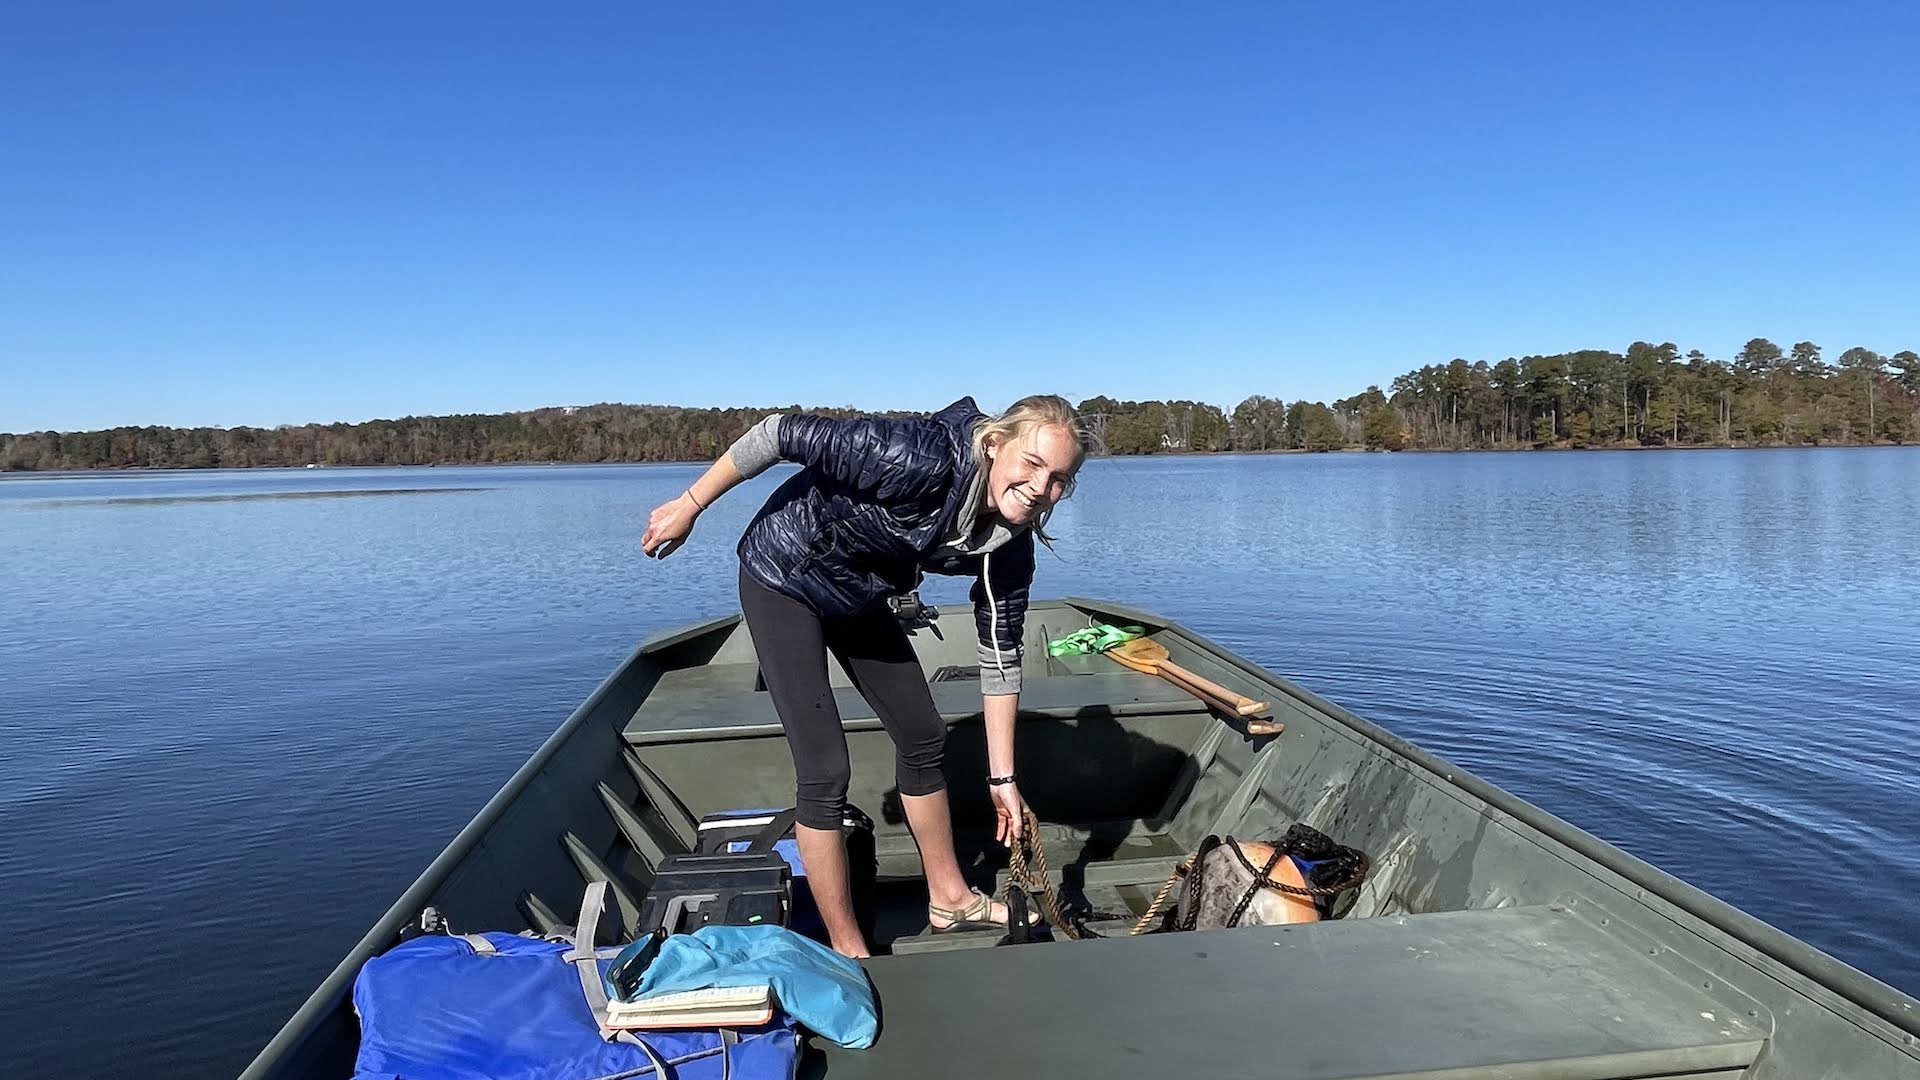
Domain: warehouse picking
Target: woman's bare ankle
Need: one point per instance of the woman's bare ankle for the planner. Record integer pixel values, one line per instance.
(951, 903)
(996, 911)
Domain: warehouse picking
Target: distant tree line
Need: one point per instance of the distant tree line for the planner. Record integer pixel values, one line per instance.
(1651, 395)
(583, 433)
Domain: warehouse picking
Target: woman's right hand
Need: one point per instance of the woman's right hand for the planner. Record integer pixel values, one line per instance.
(668, 526)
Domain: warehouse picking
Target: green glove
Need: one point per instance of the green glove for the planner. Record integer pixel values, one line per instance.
(1096, 638)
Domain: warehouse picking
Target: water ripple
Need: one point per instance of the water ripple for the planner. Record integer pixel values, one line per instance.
(243, 708)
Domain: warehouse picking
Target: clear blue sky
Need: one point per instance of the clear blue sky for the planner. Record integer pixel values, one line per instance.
(269, 213)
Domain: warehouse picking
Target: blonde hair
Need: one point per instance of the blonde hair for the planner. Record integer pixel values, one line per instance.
(1022, 419)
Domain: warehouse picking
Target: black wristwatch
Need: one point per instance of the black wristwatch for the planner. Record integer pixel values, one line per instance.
(996, 781)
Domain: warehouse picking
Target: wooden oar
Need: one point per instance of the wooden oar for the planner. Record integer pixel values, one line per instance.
(1256, 725)
(1217, 702)
(1146, 653)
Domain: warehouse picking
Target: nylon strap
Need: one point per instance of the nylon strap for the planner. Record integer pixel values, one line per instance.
(581, 956)
(659, 1064)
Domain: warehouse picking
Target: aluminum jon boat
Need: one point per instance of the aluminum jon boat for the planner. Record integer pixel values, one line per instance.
(1489, 939)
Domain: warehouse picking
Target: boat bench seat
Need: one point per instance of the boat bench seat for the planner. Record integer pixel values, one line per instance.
(1525, 993)
(719, 701)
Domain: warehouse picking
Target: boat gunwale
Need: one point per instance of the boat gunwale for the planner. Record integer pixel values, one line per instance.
(1885, 1001)
(329, 995)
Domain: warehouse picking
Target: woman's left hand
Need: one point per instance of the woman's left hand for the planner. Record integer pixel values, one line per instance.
(1012, 813)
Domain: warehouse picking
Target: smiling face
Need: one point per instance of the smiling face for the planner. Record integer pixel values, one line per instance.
(1028, 474)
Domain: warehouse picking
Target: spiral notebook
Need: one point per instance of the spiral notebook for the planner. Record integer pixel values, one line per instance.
(720, 1006)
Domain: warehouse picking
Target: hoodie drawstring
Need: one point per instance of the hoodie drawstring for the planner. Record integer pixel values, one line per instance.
(993, 610)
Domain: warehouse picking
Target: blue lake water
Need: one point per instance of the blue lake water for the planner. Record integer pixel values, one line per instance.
(242, 710)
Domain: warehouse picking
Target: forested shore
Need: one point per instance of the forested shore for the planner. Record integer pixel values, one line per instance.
(1648, 396)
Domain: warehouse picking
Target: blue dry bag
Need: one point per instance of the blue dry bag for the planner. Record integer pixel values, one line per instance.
(511, 1007)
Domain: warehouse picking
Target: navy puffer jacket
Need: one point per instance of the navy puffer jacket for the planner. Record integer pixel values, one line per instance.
(871, 512)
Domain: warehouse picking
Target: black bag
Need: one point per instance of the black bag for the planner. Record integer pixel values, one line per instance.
(732, 832)
(749, 887)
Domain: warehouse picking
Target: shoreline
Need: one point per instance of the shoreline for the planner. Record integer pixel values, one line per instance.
(114, 470)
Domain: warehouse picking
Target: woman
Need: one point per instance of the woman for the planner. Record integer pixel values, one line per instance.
(878, 503)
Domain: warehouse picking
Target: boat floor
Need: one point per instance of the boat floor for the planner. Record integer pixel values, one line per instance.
(693, 716)
(901, 902)
(1519, 992)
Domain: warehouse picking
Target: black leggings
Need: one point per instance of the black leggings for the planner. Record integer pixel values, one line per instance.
(793, 642)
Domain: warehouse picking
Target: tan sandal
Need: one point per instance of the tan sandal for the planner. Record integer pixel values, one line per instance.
(977, 915)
